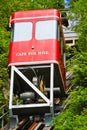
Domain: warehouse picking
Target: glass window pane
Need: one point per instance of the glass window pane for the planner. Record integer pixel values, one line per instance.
(46, 30)
(22, 31)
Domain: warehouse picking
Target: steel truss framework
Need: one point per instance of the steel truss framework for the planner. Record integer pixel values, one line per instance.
(48, 101)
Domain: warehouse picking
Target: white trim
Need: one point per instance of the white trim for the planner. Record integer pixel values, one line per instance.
(32, 63)
(11, 88)
(51, 83)
(31, 105)
(27, 18)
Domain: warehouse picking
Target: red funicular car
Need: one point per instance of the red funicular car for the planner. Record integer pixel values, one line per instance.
(35, 37)
(36, 61)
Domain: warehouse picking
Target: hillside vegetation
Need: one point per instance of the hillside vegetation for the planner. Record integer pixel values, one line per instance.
(75, 115)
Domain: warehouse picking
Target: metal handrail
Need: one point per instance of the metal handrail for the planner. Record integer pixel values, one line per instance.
(4, 114)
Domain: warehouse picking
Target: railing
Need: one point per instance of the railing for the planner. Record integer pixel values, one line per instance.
(4, 115)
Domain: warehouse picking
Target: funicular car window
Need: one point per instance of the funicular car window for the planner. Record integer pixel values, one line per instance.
(47, 29)
(22, 31)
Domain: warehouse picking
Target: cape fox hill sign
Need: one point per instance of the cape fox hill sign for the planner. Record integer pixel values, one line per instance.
(32, 53)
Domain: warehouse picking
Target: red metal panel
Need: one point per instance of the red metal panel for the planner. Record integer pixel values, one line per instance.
(34, 14)
(44, 50)
(35, 51)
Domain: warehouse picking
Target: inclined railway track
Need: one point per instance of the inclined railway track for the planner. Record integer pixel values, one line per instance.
(27, 124)
(30, 125)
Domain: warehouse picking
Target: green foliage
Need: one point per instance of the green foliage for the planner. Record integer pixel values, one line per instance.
(68, 121)
(80, 13)
(3, 77)
(2, 100)
(80, 70)
(75, 115)
(47, 4)
(70, 52)
(78, 100)
(62, 122)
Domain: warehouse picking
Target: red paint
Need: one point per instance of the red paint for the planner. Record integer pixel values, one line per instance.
(34, 51)
(44, 50)
(35, 15)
